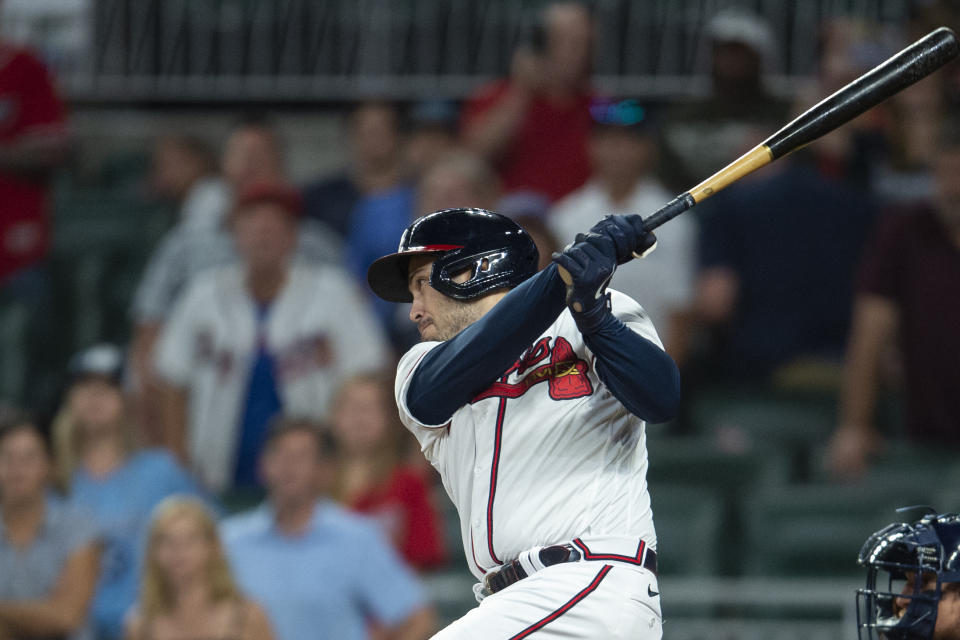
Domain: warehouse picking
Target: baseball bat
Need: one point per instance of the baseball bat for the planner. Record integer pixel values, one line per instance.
(914, 63)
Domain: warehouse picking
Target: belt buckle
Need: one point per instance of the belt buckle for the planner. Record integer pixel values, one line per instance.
(486, 582)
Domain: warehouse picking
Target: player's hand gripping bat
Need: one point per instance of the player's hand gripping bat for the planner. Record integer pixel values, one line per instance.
(914, 63)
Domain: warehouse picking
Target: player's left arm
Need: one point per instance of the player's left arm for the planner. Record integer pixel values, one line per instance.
(638, 372)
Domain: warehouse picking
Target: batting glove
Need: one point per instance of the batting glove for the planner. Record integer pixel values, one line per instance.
(591, 271)
(627, 234)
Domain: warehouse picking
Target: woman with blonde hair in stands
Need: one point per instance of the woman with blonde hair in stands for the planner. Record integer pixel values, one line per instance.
(188, 590)
(105, 473)
(373, 480)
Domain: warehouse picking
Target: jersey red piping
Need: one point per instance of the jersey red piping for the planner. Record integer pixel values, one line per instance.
(498, 437)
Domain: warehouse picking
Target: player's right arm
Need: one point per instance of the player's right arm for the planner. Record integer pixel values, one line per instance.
(634, 368)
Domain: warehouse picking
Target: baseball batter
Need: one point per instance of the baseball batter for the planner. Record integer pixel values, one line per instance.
(534, 413)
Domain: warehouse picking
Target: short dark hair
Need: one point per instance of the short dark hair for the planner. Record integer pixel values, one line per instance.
(14, 421)
(285, 425)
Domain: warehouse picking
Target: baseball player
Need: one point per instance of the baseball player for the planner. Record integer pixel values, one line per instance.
(530, 399)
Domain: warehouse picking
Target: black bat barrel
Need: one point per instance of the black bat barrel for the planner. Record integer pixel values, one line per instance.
(915, 62)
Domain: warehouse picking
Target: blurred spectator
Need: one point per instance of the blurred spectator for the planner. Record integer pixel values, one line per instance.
(385, 205)
(458, 178)
(372, 479)
(622, 157)
(104, 473)
(373, 186)
(432, 133)
(531, 210)
(48, 551)
(534, 125)
(33, 142)
(777, 256)
(251, 340)
(188, 590)
(184, 171)
(908, 295)
(701, 136)
(252, 153)
(319, 571)
(854, 153)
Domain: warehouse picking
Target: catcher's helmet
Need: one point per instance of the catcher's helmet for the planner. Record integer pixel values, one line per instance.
(929, 550)
(495, 249)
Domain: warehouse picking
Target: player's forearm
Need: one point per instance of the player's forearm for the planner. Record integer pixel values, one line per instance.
(454, 372)
(636, 371)
(874, 320)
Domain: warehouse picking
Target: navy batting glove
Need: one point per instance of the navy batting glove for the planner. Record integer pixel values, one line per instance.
(627, 234)
(591, 271)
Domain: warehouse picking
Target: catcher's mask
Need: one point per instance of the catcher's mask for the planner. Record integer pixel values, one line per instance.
(496, 251)
(908, 567)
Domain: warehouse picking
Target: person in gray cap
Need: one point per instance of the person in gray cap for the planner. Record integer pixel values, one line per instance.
(704, 134)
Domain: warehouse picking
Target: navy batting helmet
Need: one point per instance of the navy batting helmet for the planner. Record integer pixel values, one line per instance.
(495, 249)
(908, 567)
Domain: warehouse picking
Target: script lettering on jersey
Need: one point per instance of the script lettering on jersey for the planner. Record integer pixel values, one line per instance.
(550, 360)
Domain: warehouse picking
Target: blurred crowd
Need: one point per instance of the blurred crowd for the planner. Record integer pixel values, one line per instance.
(238, 469)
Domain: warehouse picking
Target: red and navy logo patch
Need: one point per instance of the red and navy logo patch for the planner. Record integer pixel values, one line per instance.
(556, 364)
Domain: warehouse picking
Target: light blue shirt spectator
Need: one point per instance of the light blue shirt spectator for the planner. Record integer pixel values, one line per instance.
(328, 583)
(122, 502)
(32, 572)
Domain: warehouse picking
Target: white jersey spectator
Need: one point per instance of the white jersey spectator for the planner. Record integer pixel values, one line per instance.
(255, 339)
(186, 252)
(621, 155)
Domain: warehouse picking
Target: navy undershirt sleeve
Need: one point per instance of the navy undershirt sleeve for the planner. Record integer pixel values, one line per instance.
(451, 374)
(636, 371)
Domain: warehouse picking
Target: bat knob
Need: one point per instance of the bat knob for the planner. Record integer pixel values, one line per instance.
(565, 276)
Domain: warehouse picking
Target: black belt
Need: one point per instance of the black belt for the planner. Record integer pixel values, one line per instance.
(513, 571)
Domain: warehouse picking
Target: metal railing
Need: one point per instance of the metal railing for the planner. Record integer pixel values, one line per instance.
(319, 50)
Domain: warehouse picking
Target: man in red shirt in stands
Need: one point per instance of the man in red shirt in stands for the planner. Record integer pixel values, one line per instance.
(33, 141)
(534, 126)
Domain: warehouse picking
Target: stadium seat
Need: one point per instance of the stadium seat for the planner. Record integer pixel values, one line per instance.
(696, 464)
(817, 529)
(768, 420)
(689, 525)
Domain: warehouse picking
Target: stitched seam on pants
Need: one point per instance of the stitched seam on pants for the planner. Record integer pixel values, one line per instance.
(590, 588)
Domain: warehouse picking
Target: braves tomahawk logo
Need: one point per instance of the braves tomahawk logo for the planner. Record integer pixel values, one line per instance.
(564, 373)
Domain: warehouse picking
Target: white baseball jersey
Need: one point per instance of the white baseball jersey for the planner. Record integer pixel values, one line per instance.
(319, 330)
(546, 454)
